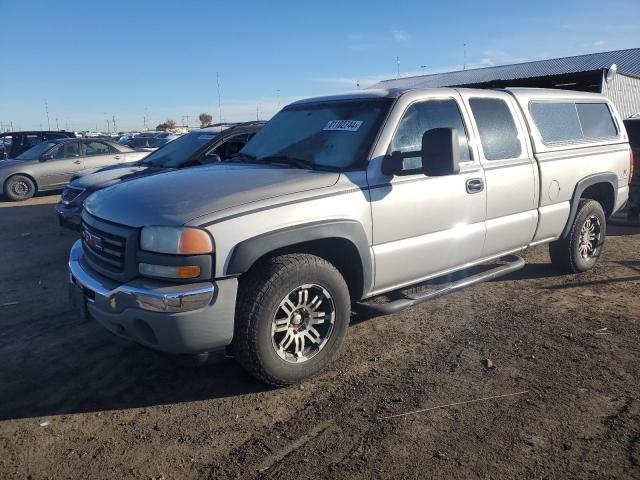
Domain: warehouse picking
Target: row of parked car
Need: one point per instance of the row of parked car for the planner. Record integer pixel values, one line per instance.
(258, 239)
(45, 161)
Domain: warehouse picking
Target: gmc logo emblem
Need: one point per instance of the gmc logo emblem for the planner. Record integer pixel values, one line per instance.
(92, 240)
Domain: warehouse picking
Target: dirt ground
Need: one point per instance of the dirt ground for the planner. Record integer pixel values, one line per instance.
(77, 402)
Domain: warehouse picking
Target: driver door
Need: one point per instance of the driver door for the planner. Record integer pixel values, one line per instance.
(425, 226)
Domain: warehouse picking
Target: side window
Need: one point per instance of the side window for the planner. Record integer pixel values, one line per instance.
(596, 120)
(572, 122)
(99, 148)
(497, 129)
(68, 150)
(230, 147)
(557, 122)
(424, 116)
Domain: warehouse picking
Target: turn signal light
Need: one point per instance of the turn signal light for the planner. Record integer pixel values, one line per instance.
(167, 271)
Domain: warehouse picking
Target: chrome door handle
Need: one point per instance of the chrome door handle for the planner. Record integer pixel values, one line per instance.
(475, 185)
(77, 162)
(117, 157)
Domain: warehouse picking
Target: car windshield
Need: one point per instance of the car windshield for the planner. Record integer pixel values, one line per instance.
(336, 135)
(34, 153)
(180, 150)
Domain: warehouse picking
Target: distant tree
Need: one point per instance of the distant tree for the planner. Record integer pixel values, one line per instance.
(167, 125)
(205, 119)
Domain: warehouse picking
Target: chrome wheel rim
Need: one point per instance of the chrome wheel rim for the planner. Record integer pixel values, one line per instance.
(590, 237)
(303, 323)
(20, 188)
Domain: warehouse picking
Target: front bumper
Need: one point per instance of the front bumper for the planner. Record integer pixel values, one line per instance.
(173, 318)
(69, 216)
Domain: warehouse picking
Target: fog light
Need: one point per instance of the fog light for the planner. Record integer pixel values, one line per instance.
(167, 271)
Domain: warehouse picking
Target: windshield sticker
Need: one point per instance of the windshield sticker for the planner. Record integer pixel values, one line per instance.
(206, 136)
(343, 125)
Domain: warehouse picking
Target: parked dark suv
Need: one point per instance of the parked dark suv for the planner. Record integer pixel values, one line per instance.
(199, 147)
(13, 144)
(633, 130)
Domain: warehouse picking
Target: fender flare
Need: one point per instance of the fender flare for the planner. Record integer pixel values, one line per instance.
(247, 252)
(581, 186)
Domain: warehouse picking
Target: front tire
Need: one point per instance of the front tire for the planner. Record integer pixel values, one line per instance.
(291, 318)
(19, 187)
(580, 249)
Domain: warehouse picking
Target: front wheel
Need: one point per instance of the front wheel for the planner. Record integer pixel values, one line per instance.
(19, 187)
(580, 249)
(291, 318)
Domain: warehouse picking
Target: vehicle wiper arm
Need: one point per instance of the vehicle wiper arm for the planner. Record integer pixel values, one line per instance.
(296, 162)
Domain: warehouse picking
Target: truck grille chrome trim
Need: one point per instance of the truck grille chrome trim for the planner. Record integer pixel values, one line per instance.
(114, 298)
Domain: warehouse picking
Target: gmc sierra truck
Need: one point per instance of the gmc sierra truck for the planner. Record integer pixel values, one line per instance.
(348, 200)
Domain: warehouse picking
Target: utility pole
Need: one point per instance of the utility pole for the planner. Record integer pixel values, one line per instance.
(398, 64)
(114, 124)
(219, 102)
(57, 127)
(278, 99)
(464, 65)
(46, 109)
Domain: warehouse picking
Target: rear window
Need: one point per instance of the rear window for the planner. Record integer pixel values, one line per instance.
(498, 132)
(572, 122)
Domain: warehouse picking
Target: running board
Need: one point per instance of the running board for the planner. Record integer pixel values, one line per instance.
(508, 264)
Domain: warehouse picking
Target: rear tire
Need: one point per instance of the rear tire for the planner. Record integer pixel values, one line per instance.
(580, 249)
(292, 315)
(19, 187)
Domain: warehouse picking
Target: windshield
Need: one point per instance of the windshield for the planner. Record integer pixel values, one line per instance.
(34, 153)
(329, 134)
(180, 150)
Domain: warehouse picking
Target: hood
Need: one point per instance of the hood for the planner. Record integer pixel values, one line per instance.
(107, 176)
(174, 198)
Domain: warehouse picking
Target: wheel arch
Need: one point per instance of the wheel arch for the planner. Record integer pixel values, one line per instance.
(602, 187)
(338, 241)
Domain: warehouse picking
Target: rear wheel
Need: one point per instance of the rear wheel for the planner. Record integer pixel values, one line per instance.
(292, 316)
(580, 249)
(19, 187)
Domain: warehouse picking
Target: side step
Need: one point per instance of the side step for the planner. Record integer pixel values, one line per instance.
(504, 266)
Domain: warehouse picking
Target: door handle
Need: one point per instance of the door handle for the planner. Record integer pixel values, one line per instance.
(77, 162)
(117, 157)
(475, 185)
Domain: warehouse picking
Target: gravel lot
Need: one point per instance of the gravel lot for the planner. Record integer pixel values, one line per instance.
(76, 402)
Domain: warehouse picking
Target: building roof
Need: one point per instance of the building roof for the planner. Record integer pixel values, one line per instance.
(628, 62)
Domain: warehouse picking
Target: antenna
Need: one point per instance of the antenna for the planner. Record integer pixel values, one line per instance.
(219, 102)
(46, 109)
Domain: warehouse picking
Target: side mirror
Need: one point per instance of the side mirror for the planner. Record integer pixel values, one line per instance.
(46, 156)
(440, 152)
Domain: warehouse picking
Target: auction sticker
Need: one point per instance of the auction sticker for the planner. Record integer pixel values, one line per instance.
(343, 125)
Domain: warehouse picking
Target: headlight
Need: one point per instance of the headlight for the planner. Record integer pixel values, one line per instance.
(176, 240)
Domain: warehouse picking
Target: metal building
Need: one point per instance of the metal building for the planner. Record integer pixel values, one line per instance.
(615, 74)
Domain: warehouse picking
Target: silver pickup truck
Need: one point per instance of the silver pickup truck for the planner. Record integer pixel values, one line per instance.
(353, 199)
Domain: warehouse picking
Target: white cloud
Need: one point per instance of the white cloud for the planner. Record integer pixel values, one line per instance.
(400, 35)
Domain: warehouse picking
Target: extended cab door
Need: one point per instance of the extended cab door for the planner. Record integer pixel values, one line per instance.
(422, 225)
(510, 170)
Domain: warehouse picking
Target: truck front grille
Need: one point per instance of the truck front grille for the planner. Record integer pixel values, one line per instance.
(105, 248)
(69, 194)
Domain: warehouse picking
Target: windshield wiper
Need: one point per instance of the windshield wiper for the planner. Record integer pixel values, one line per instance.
(295, 162)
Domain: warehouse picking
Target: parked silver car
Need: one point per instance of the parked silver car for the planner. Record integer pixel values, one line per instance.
(50, 165)
(341, 199)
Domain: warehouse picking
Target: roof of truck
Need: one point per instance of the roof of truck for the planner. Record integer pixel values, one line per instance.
(396, 92)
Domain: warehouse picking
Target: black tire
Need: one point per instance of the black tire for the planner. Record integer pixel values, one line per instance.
(19, 187)
(566, 252)
(260, 295)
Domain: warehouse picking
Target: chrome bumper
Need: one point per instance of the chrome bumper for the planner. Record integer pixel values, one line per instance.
(149, 295)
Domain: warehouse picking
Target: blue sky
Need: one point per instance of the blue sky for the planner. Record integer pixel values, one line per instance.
(95, 60)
